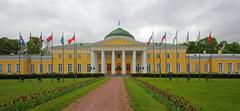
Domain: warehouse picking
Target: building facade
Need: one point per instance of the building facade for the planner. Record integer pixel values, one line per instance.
(120, 53)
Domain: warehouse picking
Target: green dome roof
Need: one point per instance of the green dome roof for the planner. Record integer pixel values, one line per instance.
(119, 32)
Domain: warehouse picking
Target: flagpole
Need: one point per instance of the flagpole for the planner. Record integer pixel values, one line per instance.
(19, 58)
(165, 54)
(52, 57)
(29, 51)
(63, 56)
(211, 54)
(153, 54)
(74, 56)
(160, 61)
(188, 66)
(199, 58)
(41, 57)
(177, 56)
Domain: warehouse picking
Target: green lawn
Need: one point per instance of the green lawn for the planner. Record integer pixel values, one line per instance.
(214, 95)
(63, 101)
(12, 88)
(140, 99)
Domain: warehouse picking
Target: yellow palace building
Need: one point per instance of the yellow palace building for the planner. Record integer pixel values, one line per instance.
(120, 53)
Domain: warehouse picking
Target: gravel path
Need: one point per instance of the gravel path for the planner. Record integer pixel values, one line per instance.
(111, 96)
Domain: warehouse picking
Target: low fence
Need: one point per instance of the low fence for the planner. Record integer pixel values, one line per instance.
(27, 76)
(188, 75)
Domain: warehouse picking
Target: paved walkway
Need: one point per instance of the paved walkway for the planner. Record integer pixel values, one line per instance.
(111, 96)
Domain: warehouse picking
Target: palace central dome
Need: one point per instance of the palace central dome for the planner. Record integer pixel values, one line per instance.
(119, 32)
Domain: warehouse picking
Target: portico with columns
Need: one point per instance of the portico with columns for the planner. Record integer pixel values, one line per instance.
(118, 53)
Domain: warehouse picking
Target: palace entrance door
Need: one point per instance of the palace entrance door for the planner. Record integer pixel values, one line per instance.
(118, 68)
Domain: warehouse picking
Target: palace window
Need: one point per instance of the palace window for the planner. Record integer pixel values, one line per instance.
(158, 67)
(206, 68)
(148, 67)
(178, 67)
(230, 68)
(188, 68)
(0, 67)
(168, 67)
(8, 68)
(49, 68)
(32, 68)
(79, 56)
(138, 67)
(69, 56)
(148, 56)
(88, 56)
(40, 68)
(220, 67)
(158, 55)
(59, 55)
(79, 68)
(197, 68)
(178, 56)
(118, 56)
(17, 67)
(99, 67)
(88, 67)
(69, 68)
(60, 68)
(238, 67)
(168, 56)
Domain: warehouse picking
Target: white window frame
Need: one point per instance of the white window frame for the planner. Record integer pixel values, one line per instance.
(17, 68)
(32, 68)
(205, 67)
(49, 68)
(9, 68)
(39, 68)
(178, 64)
(168, 69)
(197, 69)
(238, 68)
(1, 68)
(189, 68)
(70, 70)
(222, 70)
(79, 67)
(231, 67)
(158, 67)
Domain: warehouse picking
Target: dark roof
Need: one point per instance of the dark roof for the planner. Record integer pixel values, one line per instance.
(119, 32)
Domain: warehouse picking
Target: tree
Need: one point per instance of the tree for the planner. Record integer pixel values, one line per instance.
(33, 46)
(232, 48)
(8, 46)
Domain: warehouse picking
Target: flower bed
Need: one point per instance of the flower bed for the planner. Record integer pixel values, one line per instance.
(173, 103)
(28, 101)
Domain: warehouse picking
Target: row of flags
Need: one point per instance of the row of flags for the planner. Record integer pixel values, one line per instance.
(48, 39)
(187, 41)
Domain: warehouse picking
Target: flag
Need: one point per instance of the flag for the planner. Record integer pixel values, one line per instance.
(175, 38)
(22, 42)
(187, 37)
(71, 40)
(49, 38)
(150, 38)
(62, 40)
(40, 39)
(210, 38)
(198, 38)
(164, 37)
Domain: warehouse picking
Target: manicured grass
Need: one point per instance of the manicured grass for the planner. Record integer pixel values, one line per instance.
(12, 88)
(63, 101)
(214, 95)
(140, 99)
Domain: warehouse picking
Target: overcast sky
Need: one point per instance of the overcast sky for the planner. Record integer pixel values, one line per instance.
(94, 19)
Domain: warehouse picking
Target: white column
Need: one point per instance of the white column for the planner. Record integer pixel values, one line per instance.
(113, 62)
(144, 61)
(92, 61)
(102, 62)
(134, 61)
(123, 63)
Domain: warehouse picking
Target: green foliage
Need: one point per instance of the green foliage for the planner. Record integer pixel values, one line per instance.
(140, 99)
(8, 46)
(214, 95)
(33, 46)
(36, 98)
(201, 45)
